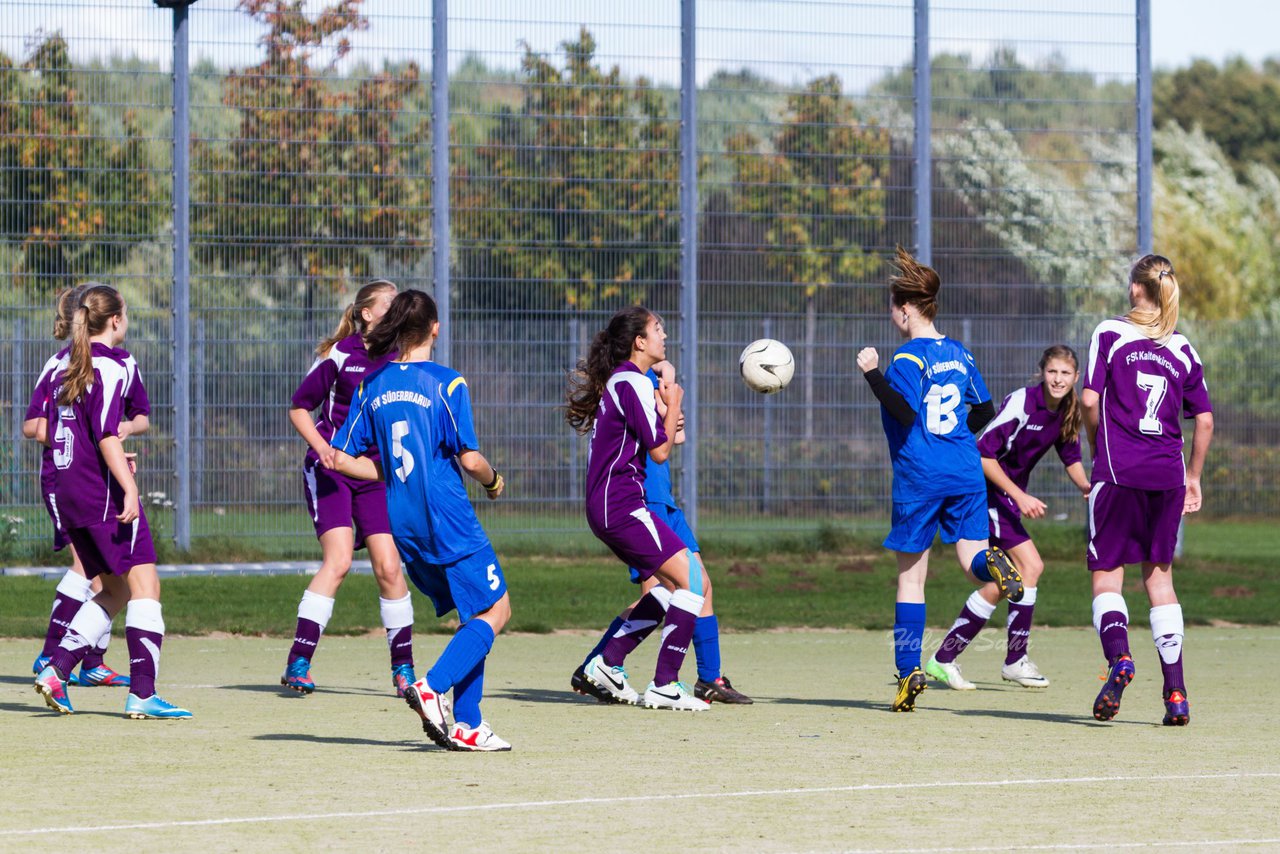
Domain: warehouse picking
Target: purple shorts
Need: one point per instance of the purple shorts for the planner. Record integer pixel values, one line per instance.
(337, 501)
(1128, 525)
(1006, 521)
(60, 538)
(641, 540)
(110, 548)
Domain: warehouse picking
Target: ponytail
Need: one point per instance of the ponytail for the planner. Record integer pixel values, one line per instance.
(410, 320)
(98, 304)
(915, 284)
(1069, 407)
(66, 305)
(1157, 320)
(352, 321)
(610, 348)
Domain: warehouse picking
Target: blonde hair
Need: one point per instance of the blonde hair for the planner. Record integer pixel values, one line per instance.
(98, 304)
(65, 308)
(1154, 274)
(915, 284)
(352, 318)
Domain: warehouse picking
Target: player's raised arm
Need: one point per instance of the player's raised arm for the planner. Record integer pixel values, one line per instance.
(890, 398)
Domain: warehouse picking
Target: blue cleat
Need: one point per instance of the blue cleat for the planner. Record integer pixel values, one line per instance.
(153, 707)
(53, 688)
(102, 675)
(402, 677)
(1107, 705)
(41, 662)
(1177, 711)
(297, 676)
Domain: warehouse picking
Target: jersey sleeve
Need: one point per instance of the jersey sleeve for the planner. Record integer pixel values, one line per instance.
(136, 401)
(1002, 427)
(459, 429)
(1195, 393)
(1095, 374)
(975, 391)
(39, 399)
(1068, 452)
(315, 386)
(906, 377)
(640, 410)
(355, 436)
(104, 405)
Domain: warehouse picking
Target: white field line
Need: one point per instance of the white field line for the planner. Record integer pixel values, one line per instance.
(1068, 846)
(637, 799)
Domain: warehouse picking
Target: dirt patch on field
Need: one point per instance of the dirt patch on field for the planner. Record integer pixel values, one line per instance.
(738, 569)
(1235, 592)
(856, 566)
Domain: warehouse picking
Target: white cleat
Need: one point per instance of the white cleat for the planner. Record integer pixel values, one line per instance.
(480, 739)
(611, 679)
(1025, 673)
(949, 674)
(433, 708)
(673, 695)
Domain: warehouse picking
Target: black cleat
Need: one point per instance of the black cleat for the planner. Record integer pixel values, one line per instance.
(1005, 574)
(720, 691)
(584, 686)
(909, 687)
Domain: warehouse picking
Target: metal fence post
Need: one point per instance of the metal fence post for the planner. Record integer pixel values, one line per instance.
(197, 404)
(1146, 239)
(923, 104)
(181, 280)
(440, 171)
(689, 252)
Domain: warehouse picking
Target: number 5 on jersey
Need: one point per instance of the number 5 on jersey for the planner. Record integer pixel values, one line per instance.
(400, 429)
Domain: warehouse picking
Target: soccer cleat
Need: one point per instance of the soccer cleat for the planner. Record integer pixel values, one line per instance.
(1005, 574)
(909, 687)
(297, 676)
(402, 677)
(1118, 678)
(53, 688)
(433, 708)
(1177, 712)
(948, 672)
(611, 679)
(102, 675)
(1025, 673)
(41, 662)
(584, 686)
(673, 695)
(152, 708)
(480, 740)
(720, 691)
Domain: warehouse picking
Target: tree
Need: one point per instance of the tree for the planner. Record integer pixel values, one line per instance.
(573, 195)
(77, 193)
(313, 187)
(819, 195)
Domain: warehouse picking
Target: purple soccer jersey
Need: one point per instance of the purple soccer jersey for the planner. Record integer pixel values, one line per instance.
(626, 428)
(332, 381)
(1145, 389)
(1023, 432)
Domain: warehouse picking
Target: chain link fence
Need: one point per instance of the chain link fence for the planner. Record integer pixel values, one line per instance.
(311, 172)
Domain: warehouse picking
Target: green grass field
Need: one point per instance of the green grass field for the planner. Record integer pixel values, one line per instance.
(817, 764)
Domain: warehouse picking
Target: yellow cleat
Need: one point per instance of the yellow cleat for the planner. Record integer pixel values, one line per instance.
(909, 687)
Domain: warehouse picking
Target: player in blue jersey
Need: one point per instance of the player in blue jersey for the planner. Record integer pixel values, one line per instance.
(417, 414)
(937, 472)
(712, 685)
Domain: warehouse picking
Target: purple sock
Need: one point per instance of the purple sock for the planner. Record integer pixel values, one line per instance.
(1019, 627)
(64, 660)
(93, 658)
(90, 620)
(973, 617)
(144, 660)
(677, 634)
(1113, 631)
(305, 639)
(64, 608)
(400, 642)
(644, 618)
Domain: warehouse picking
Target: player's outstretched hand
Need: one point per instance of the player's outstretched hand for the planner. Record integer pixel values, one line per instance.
(1191, 503)
(868, 359)
(1030, 506)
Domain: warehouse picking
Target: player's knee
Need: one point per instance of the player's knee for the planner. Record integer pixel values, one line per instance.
(1031, 571)
(499, 614)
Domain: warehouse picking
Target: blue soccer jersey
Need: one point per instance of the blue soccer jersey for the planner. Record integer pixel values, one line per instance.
(657, 475)
(418, 415)
(937, 455)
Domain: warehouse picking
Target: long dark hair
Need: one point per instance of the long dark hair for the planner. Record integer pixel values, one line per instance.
(352, 320)
(409, 321)
(915, 284)
(610, 348)
(1070, 405)
(97, 306)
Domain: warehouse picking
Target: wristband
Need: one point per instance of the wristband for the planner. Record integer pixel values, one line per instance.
(493, 484)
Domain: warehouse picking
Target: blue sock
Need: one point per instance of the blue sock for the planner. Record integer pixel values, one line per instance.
(468, 647)
(979, 567)
(908, 635)
(604, 639)
(466, 697)
(706, 647)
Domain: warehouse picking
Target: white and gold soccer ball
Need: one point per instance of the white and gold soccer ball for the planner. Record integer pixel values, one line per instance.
(766, 366)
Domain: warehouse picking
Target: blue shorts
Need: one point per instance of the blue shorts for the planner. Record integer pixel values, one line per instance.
(472, 584)
(674, 517)
(961, 517)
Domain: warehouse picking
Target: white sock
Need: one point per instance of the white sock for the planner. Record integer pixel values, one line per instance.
(89, 622)
(1167, 631)
(316, 608)
(1028, 597)
(1104, 602)
(75, 586)
(663, 595)
(979, 606)
(687, 600)
(396, 613)
(144, 614)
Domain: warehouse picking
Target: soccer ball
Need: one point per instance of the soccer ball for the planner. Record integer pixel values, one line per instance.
(766, 366)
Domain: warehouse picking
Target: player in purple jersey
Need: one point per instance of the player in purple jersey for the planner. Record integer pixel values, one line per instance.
(74, 588)
(348, 513)
(1030, 422)
(97, 500)
(937, 473)
(610, 395)
(1142, 378)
